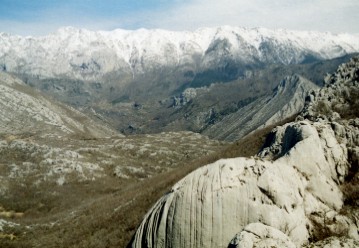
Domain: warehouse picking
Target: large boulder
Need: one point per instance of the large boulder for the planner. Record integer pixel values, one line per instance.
(291, 194)
(285, 196)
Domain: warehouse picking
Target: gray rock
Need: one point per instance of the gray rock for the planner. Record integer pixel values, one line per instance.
(261, 236)
(209, 206)
(281, 197)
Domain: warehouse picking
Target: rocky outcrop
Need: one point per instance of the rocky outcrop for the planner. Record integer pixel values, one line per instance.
(186, 96)
(212, 204)
(261, 236)
(335, 242)
(285, 196)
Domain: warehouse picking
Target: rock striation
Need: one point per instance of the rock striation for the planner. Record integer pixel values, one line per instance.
(283, 197)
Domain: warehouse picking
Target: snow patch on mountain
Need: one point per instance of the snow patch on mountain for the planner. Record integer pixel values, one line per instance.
(84, 54)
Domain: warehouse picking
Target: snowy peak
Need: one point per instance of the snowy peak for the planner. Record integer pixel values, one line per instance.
(89, 55)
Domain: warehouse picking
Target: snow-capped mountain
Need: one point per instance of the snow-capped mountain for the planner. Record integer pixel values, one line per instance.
(132, 77)
(83, 54)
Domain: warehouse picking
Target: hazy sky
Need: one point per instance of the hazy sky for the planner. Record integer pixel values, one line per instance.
(39, 17)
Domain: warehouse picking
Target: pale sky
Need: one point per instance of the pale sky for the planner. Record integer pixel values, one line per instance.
(40, 17)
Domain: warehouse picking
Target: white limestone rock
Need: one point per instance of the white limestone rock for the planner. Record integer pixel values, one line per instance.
(335, 242)
(261, 236)
(282, 197)
(209, 206)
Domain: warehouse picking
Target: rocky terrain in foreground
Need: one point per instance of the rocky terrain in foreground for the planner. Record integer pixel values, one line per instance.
(56, 163)
(300, 190)
(70, 178)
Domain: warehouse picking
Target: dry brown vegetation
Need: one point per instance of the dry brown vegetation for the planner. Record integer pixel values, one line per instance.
(351, 186)
(351, 107)
(103, 213)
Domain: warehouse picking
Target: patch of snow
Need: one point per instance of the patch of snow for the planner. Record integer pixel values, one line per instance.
(64, 52)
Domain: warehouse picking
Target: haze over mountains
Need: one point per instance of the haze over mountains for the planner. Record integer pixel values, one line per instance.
(87, 55)
(148, 81)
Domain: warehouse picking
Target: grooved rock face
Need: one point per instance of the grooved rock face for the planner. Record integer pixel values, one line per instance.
(211, 205)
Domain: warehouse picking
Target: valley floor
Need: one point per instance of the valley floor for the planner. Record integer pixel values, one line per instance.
(98, 208)
(80, 192)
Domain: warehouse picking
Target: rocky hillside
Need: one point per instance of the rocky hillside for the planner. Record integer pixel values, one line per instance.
(25, 110)
(57, 164)
(287, 100)
(300, 190)
(217, 109)
(50, 140)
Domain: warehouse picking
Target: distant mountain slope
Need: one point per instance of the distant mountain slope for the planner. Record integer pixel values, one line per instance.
(149, 81)
(24, 110)
(231, 110)
(87, 55)
(287, 100)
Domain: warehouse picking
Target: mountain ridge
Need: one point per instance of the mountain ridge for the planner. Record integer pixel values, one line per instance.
(133, 78)
(88, 55)
(287, 100)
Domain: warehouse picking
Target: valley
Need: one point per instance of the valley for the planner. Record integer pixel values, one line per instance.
(95, 127)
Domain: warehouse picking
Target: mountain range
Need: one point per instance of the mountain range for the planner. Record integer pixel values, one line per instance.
(148, 81)
(97, 126)
(88, 55)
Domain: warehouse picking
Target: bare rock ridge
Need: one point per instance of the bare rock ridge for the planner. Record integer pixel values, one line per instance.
(287, 100)
(283, 196)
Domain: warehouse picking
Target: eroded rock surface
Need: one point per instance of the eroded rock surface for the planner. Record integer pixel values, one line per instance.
(283, 197)
(261, 236)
